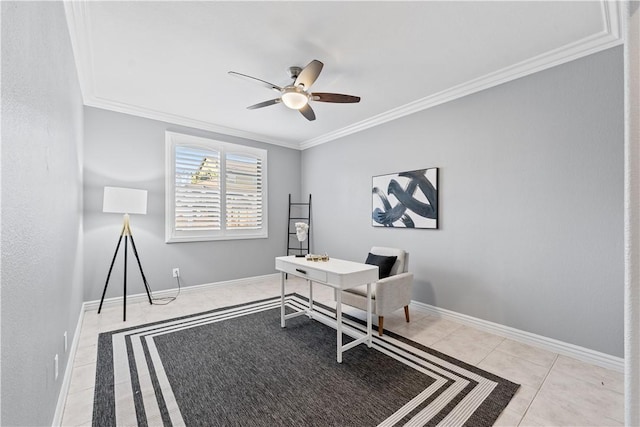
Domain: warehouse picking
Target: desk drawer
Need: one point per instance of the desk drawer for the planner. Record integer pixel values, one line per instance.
(304, 272)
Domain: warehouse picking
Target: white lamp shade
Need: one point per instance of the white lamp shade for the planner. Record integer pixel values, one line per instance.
(124, 200)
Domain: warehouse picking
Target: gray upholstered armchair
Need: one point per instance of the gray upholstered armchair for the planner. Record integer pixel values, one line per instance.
(389, 293)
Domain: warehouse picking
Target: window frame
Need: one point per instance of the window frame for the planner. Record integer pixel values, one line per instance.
(173, 140)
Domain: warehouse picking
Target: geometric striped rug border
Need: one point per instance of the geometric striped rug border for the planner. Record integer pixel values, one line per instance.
(486, 394)
(132, 387)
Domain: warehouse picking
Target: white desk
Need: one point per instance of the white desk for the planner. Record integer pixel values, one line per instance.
(338, 274)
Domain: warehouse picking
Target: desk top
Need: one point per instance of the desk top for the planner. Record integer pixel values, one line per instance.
(335, 272)
(338, 266)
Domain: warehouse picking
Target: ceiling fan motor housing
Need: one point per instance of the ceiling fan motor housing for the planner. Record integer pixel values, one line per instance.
(294, 72)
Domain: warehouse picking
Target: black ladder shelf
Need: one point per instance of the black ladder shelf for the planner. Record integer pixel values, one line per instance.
(294, 247)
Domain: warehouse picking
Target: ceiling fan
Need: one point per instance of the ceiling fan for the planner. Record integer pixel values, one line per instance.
(296, 95)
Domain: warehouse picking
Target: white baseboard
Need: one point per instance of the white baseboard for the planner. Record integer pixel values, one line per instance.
(66, 380)
(581, 353)
(93, 305)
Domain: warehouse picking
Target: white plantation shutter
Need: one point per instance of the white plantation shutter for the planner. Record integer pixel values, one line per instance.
(243, 191)
(197, 189)
(214, 191)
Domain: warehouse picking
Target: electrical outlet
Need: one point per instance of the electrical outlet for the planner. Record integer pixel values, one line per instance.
(55, 367)
(65, 341)
(176, 272)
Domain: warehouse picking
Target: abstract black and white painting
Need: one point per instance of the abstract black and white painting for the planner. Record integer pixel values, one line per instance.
(406, 199)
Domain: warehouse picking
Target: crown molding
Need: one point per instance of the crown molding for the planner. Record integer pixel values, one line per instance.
(610, 36)
(94, 101)
(78, 21)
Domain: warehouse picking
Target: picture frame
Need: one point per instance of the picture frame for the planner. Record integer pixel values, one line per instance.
(405, 199)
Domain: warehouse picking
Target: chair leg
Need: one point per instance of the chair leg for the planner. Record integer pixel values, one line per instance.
(380, 322)
(406, 312)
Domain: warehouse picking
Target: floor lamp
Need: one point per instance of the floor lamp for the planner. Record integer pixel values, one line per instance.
(125, 201)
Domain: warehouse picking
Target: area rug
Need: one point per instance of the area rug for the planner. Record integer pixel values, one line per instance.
(236, 366)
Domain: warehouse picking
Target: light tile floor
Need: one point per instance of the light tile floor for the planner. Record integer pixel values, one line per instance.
(555, 390)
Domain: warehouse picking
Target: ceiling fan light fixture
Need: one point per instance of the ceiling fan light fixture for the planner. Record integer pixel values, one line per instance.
(297, 96)
(294, 98)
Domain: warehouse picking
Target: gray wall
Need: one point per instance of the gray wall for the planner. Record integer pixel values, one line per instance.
(128, 151)
(41, 258)
(531, 201)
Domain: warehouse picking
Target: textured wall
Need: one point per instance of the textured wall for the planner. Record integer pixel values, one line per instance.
(632, 219)
(41, 207)
(531, 201)
(126, 151)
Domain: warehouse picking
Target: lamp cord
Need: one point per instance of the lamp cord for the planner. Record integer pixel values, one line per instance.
(166, 300)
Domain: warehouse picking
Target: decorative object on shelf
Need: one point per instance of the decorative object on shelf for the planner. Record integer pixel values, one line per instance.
(125, 201)
(299, 213)
(316, 258)
(301, 233)
(405, 199)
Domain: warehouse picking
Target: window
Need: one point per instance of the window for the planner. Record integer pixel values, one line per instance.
(215, 190)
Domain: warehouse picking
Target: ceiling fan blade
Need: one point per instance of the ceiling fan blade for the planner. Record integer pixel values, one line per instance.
(334, 97)
(308, 113)
(256, 80)
(309, 74)
(264, 104)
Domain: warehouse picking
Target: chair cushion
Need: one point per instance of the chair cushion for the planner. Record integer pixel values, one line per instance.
(362, 291)
(384, 263)
(402, 263)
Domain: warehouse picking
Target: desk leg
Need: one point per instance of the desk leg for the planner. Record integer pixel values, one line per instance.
(339, 324)
(282, 324)
(369, 313)
(310, 296)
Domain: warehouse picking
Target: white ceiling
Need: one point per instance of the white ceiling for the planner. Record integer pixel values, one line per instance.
(169, 60)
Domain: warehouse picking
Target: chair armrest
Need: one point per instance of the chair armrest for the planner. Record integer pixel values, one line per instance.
(393, 292)
(396, 280)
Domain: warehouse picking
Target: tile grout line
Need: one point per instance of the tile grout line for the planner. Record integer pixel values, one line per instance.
(89, 396)
(539, 388)
(460, 325)
(495, 348)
